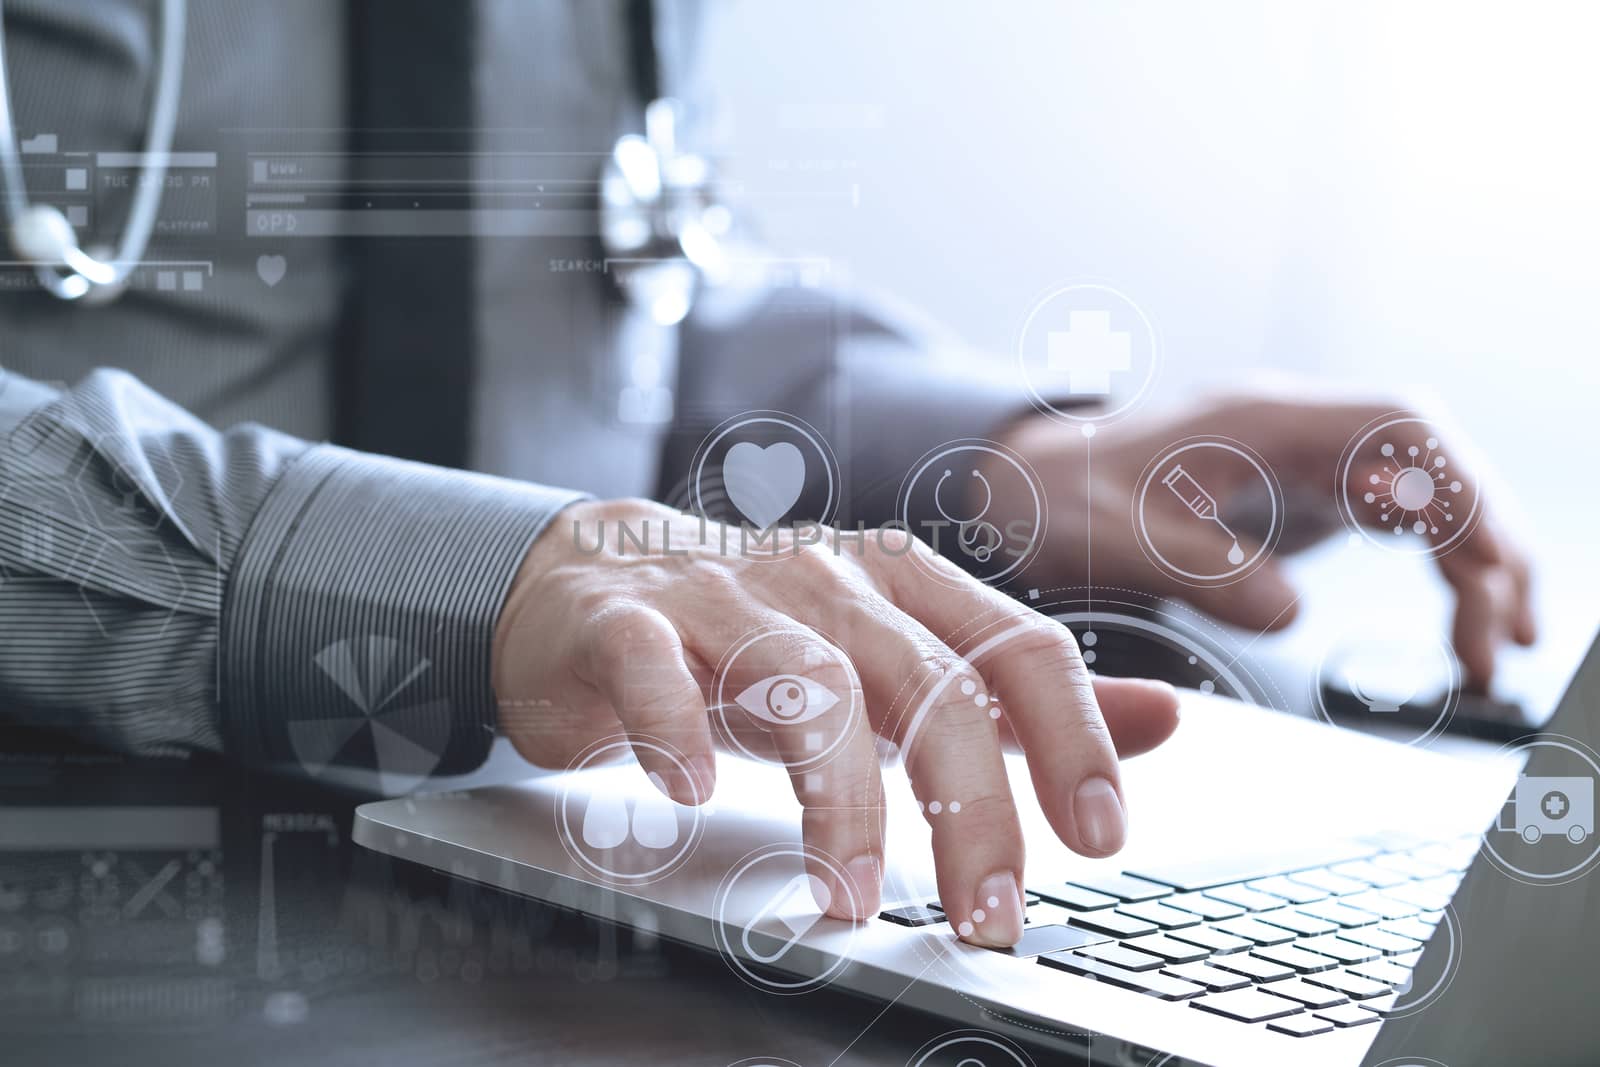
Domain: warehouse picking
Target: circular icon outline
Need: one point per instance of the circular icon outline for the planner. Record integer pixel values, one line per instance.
(1455, 949)
(830, 465)
(720, 702)
(1569, 874)
(1102, 416)
(592, 756)
(1041, 505)
(1364, 531)
(982, 1037)
(1249, 564)
(1452, 699)
(722, 925)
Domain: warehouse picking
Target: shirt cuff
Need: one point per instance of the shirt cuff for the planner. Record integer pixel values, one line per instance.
(360, 617)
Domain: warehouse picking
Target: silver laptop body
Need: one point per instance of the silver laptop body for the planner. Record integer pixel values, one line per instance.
(1375, 844)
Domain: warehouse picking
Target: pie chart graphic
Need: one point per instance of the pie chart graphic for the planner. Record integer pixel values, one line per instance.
(390, 725)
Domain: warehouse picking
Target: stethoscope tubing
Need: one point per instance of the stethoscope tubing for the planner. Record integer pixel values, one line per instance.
(88, 273)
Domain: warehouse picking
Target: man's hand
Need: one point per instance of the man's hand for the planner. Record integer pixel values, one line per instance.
(1302, 440)
(628, 641)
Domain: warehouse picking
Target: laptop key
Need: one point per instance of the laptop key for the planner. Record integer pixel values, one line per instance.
(1253, 967)
(1215, 940)
(1292, 891)
(1247, 1005)
(1149, 983)
(1155, 911)
(1037, 940)
(1303, 992)
(1125, 888)
(1346, 952)
(1390, 974)
(1328, 882)
(1207, 907)
(912, 915)
(1169, 949)
(1373, 875)
(1348, 1015)
(1387, 1005)
(1300, 1026)
(1228, 870)
(1114, 923)
(1298, 921)
(1126, 958)
(1376, 937)
(1381, 904)
(1298, 958)
(1074, 896)
(1215, 979)
(1351, 985)
(1423, 895)
(1407, 865)
(1254, 930)
(1413, 928)
(1339, 912)
(1245, 898)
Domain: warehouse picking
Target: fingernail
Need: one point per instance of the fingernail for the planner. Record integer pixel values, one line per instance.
(863, 874)
(677, 790)
(1102, 824)
(996, 912)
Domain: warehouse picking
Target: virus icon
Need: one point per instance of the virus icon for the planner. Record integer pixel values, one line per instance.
(1414, 491)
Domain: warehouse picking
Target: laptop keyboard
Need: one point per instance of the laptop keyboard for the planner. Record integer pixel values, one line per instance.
(1302, 944)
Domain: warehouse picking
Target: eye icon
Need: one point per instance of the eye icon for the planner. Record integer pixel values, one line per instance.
(787, 698)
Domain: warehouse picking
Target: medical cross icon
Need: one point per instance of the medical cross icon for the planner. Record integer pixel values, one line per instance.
(1088, 352)
(1555, 804)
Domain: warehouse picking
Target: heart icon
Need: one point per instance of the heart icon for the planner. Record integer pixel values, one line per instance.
(271, 268)
(764, 483)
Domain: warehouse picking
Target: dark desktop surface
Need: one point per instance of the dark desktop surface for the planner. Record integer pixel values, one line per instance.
(179, 911)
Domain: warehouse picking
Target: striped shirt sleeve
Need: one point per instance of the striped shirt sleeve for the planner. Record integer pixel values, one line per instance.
(164, 585)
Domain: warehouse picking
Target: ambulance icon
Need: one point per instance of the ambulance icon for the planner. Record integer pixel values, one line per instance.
(1550, 807)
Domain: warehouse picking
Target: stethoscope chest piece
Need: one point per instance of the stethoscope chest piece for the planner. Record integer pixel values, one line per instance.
(662, 223)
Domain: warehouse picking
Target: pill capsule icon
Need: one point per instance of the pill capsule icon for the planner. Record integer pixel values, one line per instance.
(787, 916)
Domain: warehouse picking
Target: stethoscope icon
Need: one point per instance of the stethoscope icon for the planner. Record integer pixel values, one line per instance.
(978, 536)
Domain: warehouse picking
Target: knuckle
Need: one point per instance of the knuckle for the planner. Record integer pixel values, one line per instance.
(894, 542)
(955, 727)
(817, 558)
(991, 816)
(619, 627)
(990, 809)
(1047, 644)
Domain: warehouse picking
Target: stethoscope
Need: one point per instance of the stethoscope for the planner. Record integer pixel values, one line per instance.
(978, 536)
(661, 220)
(42, 236)
(662, 223)
(663, 228)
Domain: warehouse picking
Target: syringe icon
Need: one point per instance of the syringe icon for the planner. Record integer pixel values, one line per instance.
(1201, 504)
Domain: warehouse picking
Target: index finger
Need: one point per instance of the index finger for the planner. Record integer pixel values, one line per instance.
(1033, 665)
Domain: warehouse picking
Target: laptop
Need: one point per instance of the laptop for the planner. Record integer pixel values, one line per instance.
(1292, 892)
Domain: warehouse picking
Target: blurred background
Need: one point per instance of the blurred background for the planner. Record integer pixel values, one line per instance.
(1396, 197)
